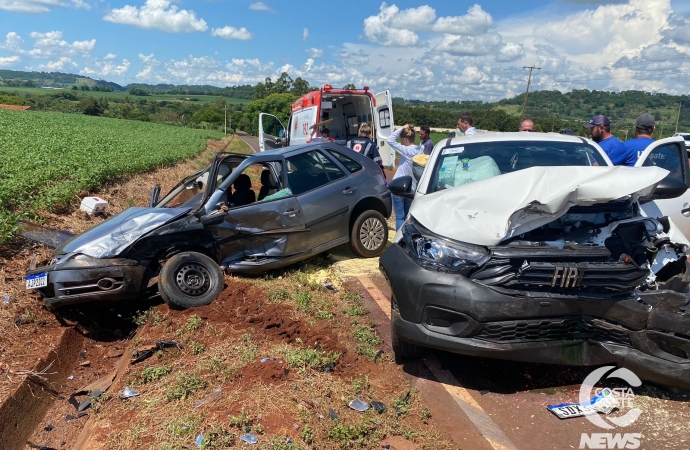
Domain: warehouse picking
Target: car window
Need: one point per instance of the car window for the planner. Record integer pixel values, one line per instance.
(667, 157)
(468, 163)
(349, 163)
(310, 170)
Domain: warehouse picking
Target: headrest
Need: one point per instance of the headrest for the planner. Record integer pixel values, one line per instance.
(242, 182)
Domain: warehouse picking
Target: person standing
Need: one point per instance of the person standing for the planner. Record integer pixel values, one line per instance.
(527, 125)
(466, 125)
(425, 141)
(407, 150)
(633, 148)
(599, 128)
(364, 145)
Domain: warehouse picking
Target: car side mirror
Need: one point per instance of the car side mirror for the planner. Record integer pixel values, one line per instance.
(215, 218)
(401, 187)
(667, 188)
(155, 193)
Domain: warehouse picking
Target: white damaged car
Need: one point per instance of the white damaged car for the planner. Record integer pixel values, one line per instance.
(532, 247)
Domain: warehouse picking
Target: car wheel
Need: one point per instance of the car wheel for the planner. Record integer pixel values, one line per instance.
(403, 349)
(369, 234)
(190, 279)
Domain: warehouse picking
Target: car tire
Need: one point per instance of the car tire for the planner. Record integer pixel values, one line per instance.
(402, 349)
(190, 279)
(369, 234)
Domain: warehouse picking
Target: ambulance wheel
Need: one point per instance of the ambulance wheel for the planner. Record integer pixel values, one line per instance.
(189, 280)
(369, 234)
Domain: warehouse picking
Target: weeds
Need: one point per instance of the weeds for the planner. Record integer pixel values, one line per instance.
(302, 359)
(149, 374)
(426, 415)
(186, 385)
(194, 323)
(278, 295)
(369, 340)
(184, 426)
(149, 316)
(348, 436)
(402, 404)
(244, 421)
(217, 437)
(323, 315)
(303, 299)
(355, 305)
(361, 384)
(307, 434)
(196, 347)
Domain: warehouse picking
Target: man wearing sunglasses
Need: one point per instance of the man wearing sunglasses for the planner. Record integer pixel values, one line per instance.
(599, 128)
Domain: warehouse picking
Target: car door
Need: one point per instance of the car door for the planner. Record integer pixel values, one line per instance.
(271, 228)
(271, 132)
(670, 154)
(383, 119)
(325, 192)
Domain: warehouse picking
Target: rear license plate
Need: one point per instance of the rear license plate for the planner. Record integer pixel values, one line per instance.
(37, 281)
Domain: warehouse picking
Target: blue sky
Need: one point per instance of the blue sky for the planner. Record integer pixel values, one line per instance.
(454, 50)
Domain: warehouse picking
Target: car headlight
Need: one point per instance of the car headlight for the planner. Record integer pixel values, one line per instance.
(438, 253)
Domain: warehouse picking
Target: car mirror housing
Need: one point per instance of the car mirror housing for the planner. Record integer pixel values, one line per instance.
(401, 187)
(667, 188)
(212, 219)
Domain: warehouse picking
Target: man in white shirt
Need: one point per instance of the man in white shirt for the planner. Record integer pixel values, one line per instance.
(465, 124)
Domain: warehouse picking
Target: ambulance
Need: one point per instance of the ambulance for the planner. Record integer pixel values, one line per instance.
(346, 109)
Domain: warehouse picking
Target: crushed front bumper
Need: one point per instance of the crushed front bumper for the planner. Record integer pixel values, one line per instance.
(452, 313)
(86, 280)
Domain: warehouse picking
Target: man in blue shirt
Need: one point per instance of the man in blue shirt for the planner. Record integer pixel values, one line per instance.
(600, 129)
(644, 127)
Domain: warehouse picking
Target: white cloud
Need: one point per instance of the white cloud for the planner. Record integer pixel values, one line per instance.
(110, 56)
(8, 61)
(393, 27)
(314, 52)
(81, 4)
(305, 34)
(48, 45)
(13, 42)
(60, 64)
(476, 21)
(148, 59)
(158, 15)
(229, 32)
(359, 58)
(31, 6)
(109, 68)
(261, 6)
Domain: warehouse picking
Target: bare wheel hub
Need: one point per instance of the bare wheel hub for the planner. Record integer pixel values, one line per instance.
(193, 279)
(371, 234)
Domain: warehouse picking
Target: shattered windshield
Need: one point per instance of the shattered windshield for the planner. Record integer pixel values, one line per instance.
(462, 164)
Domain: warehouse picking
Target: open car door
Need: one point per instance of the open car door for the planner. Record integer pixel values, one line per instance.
(670, 154)
(383, 119)
(271, 132)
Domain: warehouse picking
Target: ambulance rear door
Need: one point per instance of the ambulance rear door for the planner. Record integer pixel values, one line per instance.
(300, 121)
(383, 118)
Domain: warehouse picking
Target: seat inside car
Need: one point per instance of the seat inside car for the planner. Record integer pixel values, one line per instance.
(268, 185)
(243, 195)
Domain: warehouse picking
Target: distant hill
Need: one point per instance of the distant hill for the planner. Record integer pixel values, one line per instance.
(17, 78)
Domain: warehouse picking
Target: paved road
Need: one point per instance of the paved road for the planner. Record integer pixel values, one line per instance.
(252, 141)
(492, 404)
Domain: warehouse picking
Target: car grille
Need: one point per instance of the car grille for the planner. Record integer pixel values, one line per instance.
(542, 276)
(585, 328)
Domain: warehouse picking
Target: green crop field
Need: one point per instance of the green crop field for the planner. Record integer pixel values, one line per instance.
(200, 99)
(48, 158)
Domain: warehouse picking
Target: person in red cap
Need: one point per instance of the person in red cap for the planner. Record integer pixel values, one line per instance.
(599, 128)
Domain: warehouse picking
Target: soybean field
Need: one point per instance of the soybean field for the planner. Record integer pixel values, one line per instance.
(47, 159)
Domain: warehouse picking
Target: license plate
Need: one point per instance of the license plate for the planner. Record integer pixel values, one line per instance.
(37, 281)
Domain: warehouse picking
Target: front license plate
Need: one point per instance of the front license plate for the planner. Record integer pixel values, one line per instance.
(37, 281)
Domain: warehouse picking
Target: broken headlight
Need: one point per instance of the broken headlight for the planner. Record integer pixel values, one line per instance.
(438, 253)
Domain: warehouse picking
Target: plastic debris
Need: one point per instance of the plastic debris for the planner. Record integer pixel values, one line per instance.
(295, 426)
(378, 355)
(148, 351)
(129, 392)
(199, 440)
(329, 368)
(484, 391)
(71, 377)
(49, 427)
(359, 405)
(249, 438)
(328, 284)
(212, 396)
(39, 447)
(332, 414)
(288, 441)
(6, 300)
(378, 406)
(70, 417)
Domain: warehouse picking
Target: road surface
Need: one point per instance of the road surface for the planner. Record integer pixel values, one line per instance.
(252, 141)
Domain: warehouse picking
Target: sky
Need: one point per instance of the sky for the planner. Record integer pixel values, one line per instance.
(428, 50)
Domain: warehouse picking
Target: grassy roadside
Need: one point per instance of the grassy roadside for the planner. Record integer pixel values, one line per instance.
(285, 356)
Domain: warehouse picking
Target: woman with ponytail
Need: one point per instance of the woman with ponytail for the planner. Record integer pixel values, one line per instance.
(406, 150)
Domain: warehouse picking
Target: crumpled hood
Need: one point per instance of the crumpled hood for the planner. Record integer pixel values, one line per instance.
(489, 211)
(111, 237)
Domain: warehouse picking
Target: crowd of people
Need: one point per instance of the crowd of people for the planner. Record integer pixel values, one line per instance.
(599, 127)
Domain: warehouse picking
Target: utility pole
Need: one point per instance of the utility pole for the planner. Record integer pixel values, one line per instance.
(225, 122)
(529, 80)
(661, 134)
(678, 118)
(626, 135)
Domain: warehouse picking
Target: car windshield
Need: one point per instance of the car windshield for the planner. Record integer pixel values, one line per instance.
(467, 163)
